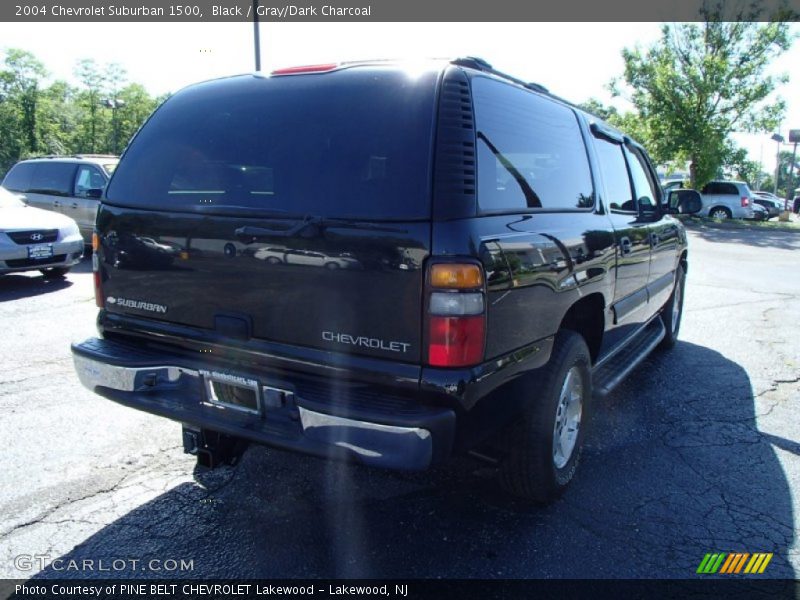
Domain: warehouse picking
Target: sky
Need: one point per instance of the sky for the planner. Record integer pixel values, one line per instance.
(574, 60)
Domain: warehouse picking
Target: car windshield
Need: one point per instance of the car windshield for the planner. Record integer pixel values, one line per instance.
(9, 200)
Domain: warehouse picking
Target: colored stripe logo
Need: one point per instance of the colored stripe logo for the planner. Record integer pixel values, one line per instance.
(733, 563)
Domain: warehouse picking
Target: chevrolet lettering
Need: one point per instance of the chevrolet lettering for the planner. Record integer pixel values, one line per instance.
(443, 260)
(344, 338)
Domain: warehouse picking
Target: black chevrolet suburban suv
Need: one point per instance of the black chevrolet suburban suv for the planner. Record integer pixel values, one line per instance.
(383, 263)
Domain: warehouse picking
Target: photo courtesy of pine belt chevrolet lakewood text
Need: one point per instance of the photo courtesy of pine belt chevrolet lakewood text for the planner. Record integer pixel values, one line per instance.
(384, 264)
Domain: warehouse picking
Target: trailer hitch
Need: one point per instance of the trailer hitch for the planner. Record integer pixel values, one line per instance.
(212, 448)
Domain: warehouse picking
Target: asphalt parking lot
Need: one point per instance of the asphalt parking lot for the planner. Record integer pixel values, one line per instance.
(699, 451)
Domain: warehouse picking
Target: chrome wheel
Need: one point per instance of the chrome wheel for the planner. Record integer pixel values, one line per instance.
(568, 418)
(719, 214)
(676, 306)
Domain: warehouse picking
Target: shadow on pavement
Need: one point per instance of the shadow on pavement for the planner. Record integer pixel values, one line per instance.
(31, 283)
(14, 287)
(762, 238)
(674, 468)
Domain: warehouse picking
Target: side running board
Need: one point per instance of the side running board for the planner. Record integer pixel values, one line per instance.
(610, 372)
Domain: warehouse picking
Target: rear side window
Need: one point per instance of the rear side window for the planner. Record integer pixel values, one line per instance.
(355, 143)
(531, 153)
(53, 178)
(18, 178)
(718, 187)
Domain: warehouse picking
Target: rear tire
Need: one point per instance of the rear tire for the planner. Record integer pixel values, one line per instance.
(720, 212)
(55, 272)
(546, 443)
(673, 311)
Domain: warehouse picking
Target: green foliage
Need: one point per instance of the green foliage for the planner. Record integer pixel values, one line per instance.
(699, 83)
(19, 93)
(739, 167)
(785, 159)
(597, 108)
(37, 118)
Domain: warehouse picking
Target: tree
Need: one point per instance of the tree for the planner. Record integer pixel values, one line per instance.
(742, 168)
(627, 122)
(784, 161)
(595, 107)
(702, 81)
(19, 87)
(137, 106)
(93, 80)
(115, 78)
(58, 119)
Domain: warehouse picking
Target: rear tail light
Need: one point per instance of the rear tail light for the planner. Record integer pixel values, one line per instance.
(456, 315)
(98, 287)
(745, 201)
(456, 276)
(456, 341)
(457, 305)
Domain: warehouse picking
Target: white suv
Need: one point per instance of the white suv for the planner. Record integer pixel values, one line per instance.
(726, 200)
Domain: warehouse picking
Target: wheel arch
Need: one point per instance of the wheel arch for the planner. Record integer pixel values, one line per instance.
(587, 318)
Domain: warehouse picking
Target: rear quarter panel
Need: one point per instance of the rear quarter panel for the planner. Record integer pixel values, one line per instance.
(537, 267)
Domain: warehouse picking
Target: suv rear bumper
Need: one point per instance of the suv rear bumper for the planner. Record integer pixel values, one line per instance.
(173, 386)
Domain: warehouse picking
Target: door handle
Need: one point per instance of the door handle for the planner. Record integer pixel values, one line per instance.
(654, 240)
(56, 203)
(625, 245)
(74, 205)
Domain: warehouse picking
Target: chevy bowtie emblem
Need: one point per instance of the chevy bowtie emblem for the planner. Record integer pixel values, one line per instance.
(35, 237)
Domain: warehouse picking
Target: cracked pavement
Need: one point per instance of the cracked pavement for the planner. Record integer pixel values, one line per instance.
(698, 451)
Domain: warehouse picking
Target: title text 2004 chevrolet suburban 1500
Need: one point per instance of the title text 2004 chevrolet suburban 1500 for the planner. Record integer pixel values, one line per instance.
(366, 262)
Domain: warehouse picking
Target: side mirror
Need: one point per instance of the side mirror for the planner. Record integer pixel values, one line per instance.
(94, 192)
(685, 202)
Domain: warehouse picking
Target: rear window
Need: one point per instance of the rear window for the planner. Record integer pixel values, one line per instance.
(355, 143)
(720, 188)
(18, 178)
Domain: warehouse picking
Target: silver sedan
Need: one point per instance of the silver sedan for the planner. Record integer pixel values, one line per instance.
(35, 239)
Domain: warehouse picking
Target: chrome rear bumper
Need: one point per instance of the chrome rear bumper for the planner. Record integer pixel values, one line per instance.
(177, 391)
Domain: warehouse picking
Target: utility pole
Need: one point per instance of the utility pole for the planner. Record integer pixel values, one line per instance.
(256, 38)
(114, 104)
(778, 138)
(794, 137)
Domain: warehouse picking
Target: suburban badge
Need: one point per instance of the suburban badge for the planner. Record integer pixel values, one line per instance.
(137, 304)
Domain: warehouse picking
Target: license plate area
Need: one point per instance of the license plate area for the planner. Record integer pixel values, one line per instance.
(40, 251)
(232, 391)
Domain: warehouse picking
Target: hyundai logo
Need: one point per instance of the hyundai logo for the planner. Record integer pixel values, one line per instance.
(35, 237)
